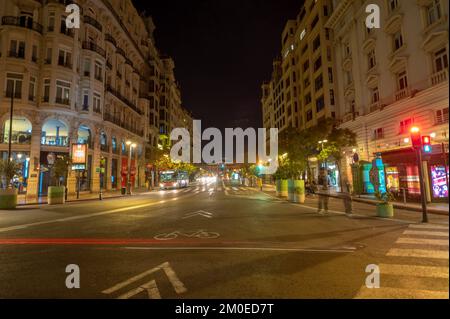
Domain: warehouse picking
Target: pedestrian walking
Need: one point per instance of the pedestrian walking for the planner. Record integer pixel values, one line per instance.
(323, 200)
(260, 184)
(348, 204)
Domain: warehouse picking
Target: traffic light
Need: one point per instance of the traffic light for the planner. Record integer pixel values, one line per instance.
(416, 138)
(426, 144)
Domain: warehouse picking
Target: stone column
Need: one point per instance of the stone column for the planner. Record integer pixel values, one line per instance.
(35, 154)
(72, 178)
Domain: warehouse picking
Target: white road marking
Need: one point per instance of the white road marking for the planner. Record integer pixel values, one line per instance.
(423, 241)
(80, 217)
(198, 213)
(429, 226)
(414, 271)
(150, 286)
(420, 253)
(245, 249)
(426, 233)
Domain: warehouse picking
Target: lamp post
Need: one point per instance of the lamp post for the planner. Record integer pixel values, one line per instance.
(11, 111)
(131, 145)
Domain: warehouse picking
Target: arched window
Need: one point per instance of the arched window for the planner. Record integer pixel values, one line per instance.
(55, 133)
(84, 135)
(104, 142)
(124, 148)
(21, 131)
(114, 144)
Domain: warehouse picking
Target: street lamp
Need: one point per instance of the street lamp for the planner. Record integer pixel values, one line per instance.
(130, 145)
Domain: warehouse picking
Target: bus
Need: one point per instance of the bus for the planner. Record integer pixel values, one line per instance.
(173, 179)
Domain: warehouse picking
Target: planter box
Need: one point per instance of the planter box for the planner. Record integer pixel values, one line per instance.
(56, 195)
(8, 198)
(299, 192)
(385, 210)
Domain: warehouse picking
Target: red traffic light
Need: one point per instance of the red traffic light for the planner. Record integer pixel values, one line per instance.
(426, 140)
(416, 138)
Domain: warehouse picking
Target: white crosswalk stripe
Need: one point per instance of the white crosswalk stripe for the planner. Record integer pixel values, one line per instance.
(419, 247)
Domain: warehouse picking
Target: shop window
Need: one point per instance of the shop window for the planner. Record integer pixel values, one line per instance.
(55, 133)
(21, 131)
(84, 136)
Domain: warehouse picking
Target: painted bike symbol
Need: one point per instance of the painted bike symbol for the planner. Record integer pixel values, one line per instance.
(202, 234)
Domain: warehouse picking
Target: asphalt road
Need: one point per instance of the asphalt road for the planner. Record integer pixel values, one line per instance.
(219, 241)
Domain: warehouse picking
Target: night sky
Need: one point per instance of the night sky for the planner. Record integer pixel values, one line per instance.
(223, 51)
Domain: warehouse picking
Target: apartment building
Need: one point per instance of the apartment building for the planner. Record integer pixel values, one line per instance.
(302, 88)
(388, 80)
(102, 84)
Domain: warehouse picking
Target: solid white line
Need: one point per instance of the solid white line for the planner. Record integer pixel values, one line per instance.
(414, 271)
(422, 241)
(420, 253)
(244, 249)
(80, 217)
(152, 290)
(426, 233)
(174, 280)
(429, 226)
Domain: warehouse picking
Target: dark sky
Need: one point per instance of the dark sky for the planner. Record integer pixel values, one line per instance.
(223, 51)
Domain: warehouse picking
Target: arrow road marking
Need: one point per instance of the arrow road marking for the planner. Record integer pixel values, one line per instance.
(198, 213)
(150, 287)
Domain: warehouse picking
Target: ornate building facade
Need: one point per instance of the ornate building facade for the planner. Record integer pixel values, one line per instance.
(103, 84)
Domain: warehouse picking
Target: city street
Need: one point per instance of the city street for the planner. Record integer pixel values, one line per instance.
(219, 241)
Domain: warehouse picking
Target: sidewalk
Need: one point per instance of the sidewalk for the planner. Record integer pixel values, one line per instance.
(84, 196)
(433, 208)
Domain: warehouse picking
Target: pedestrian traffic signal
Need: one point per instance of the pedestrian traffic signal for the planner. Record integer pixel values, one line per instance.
(426, 144)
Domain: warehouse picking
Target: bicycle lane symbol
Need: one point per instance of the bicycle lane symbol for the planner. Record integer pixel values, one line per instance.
(200, 234)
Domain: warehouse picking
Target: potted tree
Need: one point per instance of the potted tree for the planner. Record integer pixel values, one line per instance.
(299, 191)
(56, 192)
(8, 194)
(384, 208)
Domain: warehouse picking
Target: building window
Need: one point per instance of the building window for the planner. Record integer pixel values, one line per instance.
(442, 116)
(318, 83)
(309, 116)
(375, 95)
(46, 97)
(320, 104)
(97, 103)
(314, 22)
(62, 92)
(98, 71)
(17, 49)
(307, 98)
(306, 66)
(48, 60)
(316, 43)
(347, 50)
(378, 134)
(85, 100)
(331, 96)
(434, 12)
(405, 126)
(32, 89)
(306, 82)
(317, 64)
(393, 4)
(402, 81)
(372, 59)
(440, 60)
(330, 75)
(34, 56)
(14, 82)
(397, 40)
(65, 59)
(51, 22)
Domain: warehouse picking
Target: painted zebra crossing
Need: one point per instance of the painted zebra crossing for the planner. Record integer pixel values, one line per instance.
(417, 266)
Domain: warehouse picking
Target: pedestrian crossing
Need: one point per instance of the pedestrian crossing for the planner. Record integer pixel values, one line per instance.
(416, 267)
(213, 189)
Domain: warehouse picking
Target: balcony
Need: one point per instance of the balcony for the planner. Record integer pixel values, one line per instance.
(63, 101)
(17, 137)
(123, 99)
(117, 121)
(65, 64)
(17, 55)
(22, 22)
(17, 95)
(87, 45)
(93, 22)
(439, 77)
(60, 141)
(109, 38)
(374, 107)
(401, 94)
(121, 52)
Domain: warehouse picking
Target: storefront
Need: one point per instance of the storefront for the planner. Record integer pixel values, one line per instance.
(20, 180)
(125, 172)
